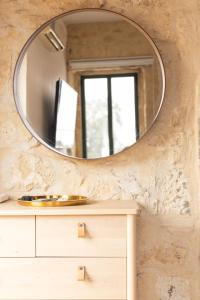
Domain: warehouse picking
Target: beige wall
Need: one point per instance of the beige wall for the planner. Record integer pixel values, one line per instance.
(106, 40)
(44, 67)
(160, 172)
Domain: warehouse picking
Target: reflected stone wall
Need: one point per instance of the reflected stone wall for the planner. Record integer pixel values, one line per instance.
(160, 172)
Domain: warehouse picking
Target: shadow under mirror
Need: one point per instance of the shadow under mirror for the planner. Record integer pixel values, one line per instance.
(89, 84)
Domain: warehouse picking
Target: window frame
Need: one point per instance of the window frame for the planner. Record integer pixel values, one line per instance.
(109, 102)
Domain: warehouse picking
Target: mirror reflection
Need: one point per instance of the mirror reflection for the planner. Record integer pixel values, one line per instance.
(89, 84)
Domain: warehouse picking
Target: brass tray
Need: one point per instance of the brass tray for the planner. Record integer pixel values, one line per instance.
(52, 200)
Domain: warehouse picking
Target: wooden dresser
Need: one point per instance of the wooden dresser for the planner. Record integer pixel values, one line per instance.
(81, 252)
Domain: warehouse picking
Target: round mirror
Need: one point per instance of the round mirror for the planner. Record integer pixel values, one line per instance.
(89, 83)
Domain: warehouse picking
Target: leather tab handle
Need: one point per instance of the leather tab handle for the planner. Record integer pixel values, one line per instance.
(81, 230)
(81, 273)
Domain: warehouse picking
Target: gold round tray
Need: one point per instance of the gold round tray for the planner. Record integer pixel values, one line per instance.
(52, 200)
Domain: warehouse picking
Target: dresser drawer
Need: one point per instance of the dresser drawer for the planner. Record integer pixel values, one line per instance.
(17, 236)
(57, 278)
(81, 236)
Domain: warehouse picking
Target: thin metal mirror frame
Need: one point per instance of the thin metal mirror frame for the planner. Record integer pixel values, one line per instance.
(31, 39)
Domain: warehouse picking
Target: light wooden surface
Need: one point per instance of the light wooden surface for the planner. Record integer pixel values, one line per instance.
(17, 236)
(56, 278)
(105, 236)
(74, 262)
(108, 207)
(131, 258)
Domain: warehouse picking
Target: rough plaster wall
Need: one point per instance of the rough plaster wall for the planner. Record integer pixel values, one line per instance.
(106, 40)
(160, 172)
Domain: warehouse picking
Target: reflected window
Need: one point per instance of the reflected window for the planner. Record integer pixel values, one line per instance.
(65, 117)
(109, 113)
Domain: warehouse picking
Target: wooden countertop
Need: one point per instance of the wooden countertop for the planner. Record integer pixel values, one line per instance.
(107, 207)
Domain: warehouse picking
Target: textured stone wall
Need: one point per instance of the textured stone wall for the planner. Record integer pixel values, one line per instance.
(160, 172)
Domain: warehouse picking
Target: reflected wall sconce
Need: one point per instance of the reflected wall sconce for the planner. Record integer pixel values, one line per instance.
(54, 40)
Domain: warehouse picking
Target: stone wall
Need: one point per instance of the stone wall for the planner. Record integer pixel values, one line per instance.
(160, 172)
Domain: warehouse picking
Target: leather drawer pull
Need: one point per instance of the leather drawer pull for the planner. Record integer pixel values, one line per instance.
(81, 273)
(81, 230)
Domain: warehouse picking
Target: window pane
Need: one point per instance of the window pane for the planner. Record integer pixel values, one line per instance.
(123, 112)
(96, 118)
(66, 118)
